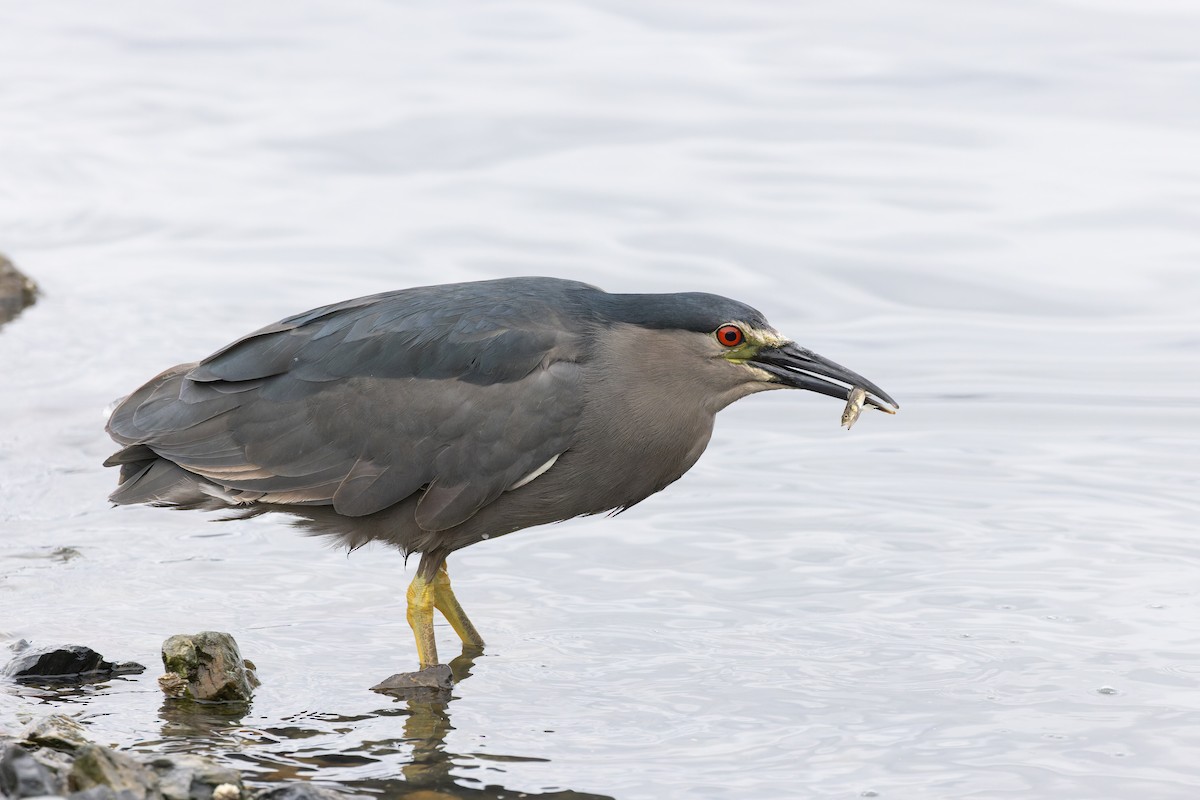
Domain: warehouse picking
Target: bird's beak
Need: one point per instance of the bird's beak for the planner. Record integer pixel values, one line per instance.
(798, 368)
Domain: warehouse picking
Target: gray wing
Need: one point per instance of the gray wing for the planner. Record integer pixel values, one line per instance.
(461, 390)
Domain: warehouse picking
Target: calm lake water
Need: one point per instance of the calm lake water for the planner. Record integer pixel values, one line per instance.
(990, 209)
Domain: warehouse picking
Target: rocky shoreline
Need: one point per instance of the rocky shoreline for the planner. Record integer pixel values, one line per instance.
(53, 756)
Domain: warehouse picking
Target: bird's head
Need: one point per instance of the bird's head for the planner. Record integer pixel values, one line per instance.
(772, 361)
(733, 351)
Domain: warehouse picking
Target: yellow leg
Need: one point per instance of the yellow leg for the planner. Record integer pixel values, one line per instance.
(421, 596)
(447, 603)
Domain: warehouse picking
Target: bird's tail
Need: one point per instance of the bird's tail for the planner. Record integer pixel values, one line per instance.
(147, 478)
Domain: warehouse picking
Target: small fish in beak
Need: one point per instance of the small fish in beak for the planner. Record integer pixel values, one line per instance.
(854, 406)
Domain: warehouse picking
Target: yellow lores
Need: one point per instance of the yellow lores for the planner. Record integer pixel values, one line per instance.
(749, 340)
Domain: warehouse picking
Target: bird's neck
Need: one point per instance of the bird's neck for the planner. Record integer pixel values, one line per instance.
(647, 409)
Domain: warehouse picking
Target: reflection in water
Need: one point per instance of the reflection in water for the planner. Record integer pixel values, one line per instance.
(186, 719)
(428, 724)
(425, 775)
(428, 771)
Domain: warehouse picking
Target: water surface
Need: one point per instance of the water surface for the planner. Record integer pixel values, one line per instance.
(990, 210)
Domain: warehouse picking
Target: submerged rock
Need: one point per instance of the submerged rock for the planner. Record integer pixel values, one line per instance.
(210, 667)
(69, 664)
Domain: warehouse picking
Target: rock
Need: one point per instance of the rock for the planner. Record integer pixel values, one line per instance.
(57, 762)
(437, 678)
(77, 769)
(56, 732)
(100, 793)
(173, 685)
(300, 790)
(16, 291)
(22, 776)
(212, 665)
(182, 776)
(251, 673)
(97, 766)
(70, 664)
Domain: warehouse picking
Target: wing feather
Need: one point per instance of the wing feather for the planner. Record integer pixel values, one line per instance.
(454, 391)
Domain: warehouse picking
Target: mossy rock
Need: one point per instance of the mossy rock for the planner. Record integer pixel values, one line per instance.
(209, 667)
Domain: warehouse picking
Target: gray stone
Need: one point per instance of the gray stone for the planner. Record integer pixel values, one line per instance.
(57, 762)
(299, 790)
(57, 732)
(211, 664)
(22, 776)
(97, 766)
(182, 776)
(437, 678)
(102, 793)
(68, 664)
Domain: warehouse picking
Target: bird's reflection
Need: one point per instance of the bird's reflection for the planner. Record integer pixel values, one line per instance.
(425, 775)
(428, 724)
(428, 774)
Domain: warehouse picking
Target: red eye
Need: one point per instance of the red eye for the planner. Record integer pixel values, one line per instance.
(730, 335)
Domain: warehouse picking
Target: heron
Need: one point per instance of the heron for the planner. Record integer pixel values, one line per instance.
(435, 417)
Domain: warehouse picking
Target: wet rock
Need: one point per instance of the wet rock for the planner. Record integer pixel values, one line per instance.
(69, 664)
(16, 291)
(173, 685)
(432, 684)
(299, 791)
(56, 732)
(97, 766)
(187, 777)
(438, 678)
(21, 775)
(101, 793)
(212, 666)
(77, 769)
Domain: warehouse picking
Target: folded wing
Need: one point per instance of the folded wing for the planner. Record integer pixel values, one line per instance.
(458, 392)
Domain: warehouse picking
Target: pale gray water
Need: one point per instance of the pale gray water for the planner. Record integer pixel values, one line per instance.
(990, 209)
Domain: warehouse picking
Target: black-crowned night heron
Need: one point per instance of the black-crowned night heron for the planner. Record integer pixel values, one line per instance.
(436, 417)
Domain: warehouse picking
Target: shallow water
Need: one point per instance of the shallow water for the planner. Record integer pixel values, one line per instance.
(993, 211)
